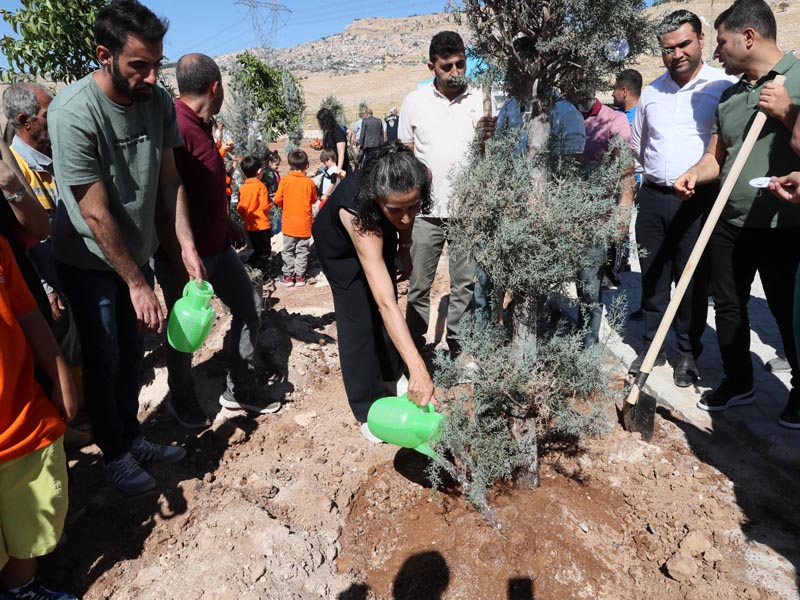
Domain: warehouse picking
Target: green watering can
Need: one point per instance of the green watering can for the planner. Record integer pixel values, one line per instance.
(396, 420)
(192, 317)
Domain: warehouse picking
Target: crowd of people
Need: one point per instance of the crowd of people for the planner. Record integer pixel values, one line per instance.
(112, 184)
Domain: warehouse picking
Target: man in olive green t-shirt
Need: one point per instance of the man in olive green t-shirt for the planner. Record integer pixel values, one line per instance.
(756, 232)
(112, 136)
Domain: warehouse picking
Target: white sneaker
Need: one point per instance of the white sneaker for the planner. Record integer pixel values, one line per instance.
(125, 474)
(248, 401)
(369, 435)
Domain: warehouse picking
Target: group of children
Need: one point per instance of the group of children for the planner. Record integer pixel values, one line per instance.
(296, 195)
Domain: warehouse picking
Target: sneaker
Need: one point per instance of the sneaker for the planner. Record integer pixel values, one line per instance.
(636, 365)
(145, 451)
(299, 280)
(288, 281)
(125, 474)
(778, 365)
(369, 435)
(725, 396)
(790, 417)
(187, 413)
(247, 401)
(33, 590)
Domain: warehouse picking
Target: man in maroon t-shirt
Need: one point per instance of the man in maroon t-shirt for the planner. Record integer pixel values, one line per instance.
(203, 172)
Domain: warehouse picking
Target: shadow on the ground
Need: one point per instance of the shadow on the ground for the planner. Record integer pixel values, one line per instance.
(765, 490)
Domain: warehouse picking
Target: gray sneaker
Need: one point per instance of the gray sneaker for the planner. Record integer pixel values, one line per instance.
(247, 400)
(125, 474)
(144, 451)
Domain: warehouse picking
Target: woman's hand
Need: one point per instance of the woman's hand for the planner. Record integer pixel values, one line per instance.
(420, 387)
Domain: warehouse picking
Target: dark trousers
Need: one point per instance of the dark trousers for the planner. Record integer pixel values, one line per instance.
(588, 283)
(667, 228)
(113, 348)
(736, 254)
(262, 246)
(370, 362)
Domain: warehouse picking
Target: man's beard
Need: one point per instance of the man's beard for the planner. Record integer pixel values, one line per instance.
(141, 92)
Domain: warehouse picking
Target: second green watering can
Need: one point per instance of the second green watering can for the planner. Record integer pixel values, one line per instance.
(396, 420)
(192, 317)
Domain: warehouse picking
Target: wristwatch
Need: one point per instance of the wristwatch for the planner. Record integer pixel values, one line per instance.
(16, 196)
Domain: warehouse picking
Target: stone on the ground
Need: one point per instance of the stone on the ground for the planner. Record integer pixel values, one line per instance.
(681, 566)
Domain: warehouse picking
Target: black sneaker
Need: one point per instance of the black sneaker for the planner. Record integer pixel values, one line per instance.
(246, 400)
(790, 417)
(636, 365)
(33, 590)
(725, 396)
(187, 412)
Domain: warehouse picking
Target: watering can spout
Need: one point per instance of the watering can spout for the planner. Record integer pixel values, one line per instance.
(396, 420)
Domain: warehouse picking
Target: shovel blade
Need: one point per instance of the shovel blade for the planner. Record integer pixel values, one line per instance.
(640, 417)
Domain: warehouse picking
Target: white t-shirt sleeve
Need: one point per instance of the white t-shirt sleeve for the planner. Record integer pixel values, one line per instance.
(405, 129)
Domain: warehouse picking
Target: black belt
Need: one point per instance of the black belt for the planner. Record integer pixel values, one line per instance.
(664, 189)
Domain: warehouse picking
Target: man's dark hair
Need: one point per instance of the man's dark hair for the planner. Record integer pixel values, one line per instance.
(250, 166)
(676, 19)
(444, 44)
(195, 74)
(123, 18)
(752, 14)
(298, 160)
(631, 79)
(391, 170)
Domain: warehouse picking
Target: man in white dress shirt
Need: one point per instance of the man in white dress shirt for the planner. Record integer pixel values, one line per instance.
(438, 122)
(670, 132)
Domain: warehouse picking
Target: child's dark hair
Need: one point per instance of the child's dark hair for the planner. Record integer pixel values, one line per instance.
(327, 155)
(298, 160)
(392, 170)
(250, 166)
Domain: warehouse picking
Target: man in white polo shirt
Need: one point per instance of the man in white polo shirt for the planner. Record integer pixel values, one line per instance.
(670, 133)
(439, 121)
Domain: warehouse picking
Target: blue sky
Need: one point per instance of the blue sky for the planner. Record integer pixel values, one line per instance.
(215, 27)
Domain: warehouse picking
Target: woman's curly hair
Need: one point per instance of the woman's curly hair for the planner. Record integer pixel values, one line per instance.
(391, 170)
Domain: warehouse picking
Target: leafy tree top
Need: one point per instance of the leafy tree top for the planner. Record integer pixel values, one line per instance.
(56, 39)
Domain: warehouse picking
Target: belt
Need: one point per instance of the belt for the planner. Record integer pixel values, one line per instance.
(664, 189)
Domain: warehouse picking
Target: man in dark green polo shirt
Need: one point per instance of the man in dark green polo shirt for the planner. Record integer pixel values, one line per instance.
(757, 232)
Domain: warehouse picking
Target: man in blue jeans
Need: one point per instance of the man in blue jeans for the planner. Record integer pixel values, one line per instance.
(203, 172)
(112, 135)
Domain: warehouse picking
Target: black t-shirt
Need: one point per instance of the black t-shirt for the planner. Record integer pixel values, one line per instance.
(391, 128)
(333, 137)
(335, 248)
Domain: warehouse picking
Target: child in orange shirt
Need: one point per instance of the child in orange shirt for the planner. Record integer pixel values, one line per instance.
(296, 195)
(33, 466)
(254, 207)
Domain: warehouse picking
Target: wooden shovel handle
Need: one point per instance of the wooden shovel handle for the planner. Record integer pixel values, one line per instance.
(697, 252)
(487, 102)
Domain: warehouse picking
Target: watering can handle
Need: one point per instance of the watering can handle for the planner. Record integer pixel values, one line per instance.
(428, 408)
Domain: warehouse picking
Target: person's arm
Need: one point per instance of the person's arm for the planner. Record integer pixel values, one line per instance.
(706, 170)
(637, 130)
(49, 357)
(31, 215)
(279, 194)
(92, 201)
(370, 254)
(172, 196)
(363, 136)
(786, 187)
(341, 152)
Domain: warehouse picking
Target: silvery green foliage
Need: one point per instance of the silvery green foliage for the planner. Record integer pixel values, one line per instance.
(336, 107)
(485, 436)
(533, 239)
(293, 139)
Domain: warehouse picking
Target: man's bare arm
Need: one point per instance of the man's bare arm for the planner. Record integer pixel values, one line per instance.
(93, 203)
(29, 213)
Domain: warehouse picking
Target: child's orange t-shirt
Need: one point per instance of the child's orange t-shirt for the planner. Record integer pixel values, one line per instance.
(254, 204)
(296, 195)
(28, 420)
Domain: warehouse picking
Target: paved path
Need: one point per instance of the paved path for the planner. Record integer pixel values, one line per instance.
(771, 389)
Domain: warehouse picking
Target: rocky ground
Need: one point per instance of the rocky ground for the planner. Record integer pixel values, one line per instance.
(297, 505)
